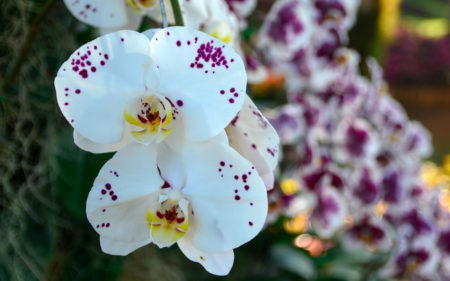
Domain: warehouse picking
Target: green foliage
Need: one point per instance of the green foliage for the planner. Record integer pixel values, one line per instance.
(430, 8)
(72, 172)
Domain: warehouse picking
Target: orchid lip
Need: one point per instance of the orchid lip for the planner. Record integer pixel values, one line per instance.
(219, 30)
(149, 118)
(141, 5)
(168, 220)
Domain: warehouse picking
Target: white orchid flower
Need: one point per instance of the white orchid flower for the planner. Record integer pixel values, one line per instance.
(172, 85)
(254, 138)
(212, 17)
(114, 15)
(208, 199)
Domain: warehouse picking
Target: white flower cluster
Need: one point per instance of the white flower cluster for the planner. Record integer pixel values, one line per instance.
(194, 154)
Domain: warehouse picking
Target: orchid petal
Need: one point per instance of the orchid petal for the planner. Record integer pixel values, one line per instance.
(195, 12)
(269, 180)
(329, 213)
(96, 147)
(151, 32)
(93, 85)
(133, 22)
(211, 90)
(96, 13)
(214, 263)
(125, 188)
(254, 138)
(171, 168)
(285, 28)
(120, 248)
(227, 197)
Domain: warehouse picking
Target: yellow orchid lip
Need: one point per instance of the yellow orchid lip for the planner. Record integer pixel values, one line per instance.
(140, 5)
(219, 30)
(152, 116)
(167, 223)
(225, 39)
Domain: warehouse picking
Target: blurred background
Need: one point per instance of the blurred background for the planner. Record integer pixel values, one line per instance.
(45, 178)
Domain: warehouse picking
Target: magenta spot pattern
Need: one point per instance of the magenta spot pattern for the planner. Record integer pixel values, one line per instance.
(211, 55)
(103, 225)
(262, 123)
(230, 93)
(108, 191)
(235, 119)
(242, 182)
(272, 151)
(208, 57)
(83, 10)
(86, 61)
(175, 111)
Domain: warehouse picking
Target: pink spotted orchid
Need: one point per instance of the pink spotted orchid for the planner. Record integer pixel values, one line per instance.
(114, 15)
(170, 85)
(285, 29)
(152, 194)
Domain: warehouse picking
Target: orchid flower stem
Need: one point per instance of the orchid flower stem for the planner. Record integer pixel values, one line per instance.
(177, 12)
(163, 13)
